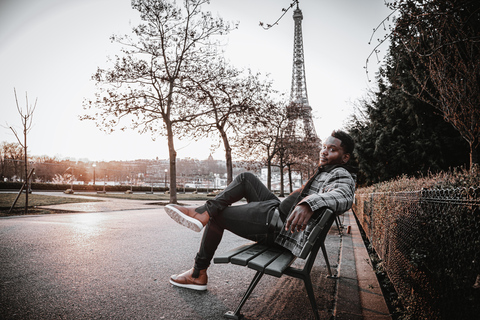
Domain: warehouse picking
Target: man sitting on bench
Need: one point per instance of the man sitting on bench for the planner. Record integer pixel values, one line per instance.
(264, 216)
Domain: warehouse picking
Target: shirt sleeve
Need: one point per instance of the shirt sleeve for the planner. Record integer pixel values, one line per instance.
(337, 193)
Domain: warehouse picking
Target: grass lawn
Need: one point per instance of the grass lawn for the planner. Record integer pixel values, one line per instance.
(153, 197)
(34, 200)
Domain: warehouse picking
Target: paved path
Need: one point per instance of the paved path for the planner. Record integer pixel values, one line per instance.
(114, 261)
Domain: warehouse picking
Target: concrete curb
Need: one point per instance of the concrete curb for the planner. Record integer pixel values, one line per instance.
(359, 295)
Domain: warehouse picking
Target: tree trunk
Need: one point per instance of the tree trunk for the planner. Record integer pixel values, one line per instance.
(269, 174)
(473, 154)
(290, 177)
(228, 155)
(173, 168)
(282, 191)
(26, 163)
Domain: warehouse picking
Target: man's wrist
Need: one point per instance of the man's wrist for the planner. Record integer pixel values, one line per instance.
(305, 204)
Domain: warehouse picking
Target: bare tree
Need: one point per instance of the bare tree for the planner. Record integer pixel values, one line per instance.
(26, 115)
(301, 155)
(233, 100)
(145, 85)
(45, 167)
(263, 139)
(11, 157)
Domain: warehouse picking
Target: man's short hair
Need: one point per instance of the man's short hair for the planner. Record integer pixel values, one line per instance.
(347, 141)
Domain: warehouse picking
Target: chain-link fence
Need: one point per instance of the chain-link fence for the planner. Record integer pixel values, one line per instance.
(429, 244)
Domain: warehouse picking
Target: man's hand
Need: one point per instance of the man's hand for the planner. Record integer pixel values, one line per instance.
(297, 221)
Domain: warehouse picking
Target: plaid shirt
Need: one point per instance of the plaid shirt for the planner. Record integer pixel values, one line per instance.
(332, 187)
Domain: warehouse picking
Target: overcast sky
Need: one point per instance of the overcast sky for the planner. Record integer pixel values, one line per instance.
(50, 49)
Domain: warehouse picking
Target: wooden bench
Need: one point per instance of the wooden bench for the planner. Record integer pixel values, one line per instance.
(276, 261)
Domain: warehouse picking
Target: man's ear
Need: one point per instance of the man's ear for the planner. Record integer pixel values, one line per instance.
(345, 158)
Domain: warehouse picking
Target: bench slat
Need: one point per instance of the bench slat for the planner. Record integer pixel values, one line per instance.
(244, 257)
(264, 259)
(225, 257)
(278, 266)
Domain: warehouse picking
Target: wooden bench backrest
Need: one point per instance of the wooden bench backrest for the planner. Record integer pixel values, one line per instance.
(324, 226)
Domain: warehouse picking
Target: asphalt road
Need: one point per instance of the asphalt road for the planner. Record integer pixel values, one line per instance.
(116, 265)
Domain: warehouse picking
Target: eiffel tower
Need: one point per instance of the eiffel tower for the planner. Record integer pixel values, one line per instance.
(299, 112)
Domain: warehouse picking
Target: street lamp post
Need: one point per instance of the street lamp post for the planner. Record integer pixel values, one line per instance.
(166, 180)
(94, 165)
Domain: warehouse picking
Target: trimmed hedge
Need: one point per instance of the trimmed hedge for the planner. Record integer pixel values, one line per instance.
(426, 232)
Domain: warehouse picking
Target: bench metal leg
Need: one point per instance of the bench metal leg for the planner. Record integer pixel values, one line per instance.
(232, 315)
(308, 285)
(305, 276)
(236, 314)
(325, 256)
(337, 222)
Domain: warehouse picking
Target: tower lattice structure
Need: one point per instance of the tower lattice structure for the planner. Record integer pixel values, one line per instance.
(299, 112)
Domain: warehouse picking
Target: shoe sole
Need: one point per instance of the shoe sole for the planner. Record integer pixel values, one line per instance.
(183, 219)
(197, 287)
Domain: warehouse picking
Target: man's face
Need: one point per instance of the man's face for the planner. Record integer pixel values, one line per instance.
(332, 152)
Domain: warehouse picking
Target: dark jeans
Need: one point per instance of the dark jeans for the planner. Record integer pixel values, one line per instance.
(249, 221)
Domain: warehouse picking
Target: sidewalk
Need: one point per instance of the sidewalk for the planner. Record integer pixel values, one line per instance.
(355, 294)
(359, 295)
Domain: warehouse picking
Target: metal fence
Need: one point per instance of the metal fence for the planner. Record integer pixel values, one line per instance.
(429, 245)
